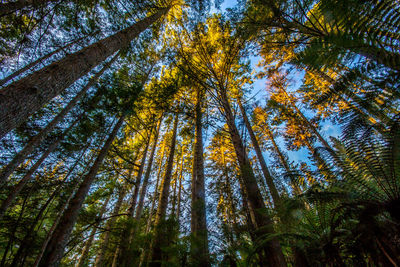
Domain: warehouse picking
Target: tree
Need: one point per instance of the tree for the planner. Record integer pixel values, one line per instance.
(23, 97)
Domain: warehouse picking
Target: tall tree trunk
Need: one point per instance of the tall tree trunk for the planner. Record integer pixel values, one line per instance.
(39, 60)
(24, 97)
(11, 7)
(89, 242)
(36, 140)
(309, 125)
(63, 207)
(199, 244)
(263, 222)
(282, 159)
(267, 175)
(155, 194)
(178, 209)
(146, 251)
(56, 245)
(159, 238)
(21, 184)
(124, 259)
(143, 189)
(106, 236)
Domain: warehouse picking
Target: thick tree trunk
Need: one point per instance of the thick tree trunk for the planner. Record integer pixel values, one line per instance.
(267, 175)
(143, 189)
(199, 244)
(11, 7)
(37, 61)
(85, 252)
(36, 140)
(106, 236)
(56, 245)
(159, 239)
(21, 184)
(24, 97)
(62, 208)
(263, 222)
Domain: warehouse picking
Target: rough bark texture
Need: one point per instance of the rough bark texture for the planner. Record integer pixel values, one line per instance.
(158, 240)
(85, 252)
(199, 244)
(37, 139)
(55, 248)
(21, 184)
(106, 236)
(262, 221)
(267, 175)
(24, 97)
(37, 61)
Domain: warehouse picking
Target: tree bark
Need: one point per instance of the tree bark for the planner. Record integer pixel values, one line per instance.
(106, 237)
(55, 248)
(89, 242)
(199, 244)
(263, 223)
(62, 208)
(37, 61)
(36, 140)
(158, 240)
(267, 175)
(24, 97)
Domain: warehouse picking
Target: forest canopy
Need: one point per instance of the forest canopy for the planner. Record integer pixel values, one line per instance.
(185, 133)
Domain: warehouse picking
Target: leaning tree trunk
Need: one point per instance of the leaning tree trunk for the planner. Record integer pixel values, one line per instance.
(28, 176)
(159, 237)
(124, 259)
(24, 97)
(267, 175)
(199, 244)
(107, 234)
(85, 252)
(63, 207)
(36, 140)
(143, 189)
(283, 161)
(263, 223)
(37, 61)
(55, 248)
